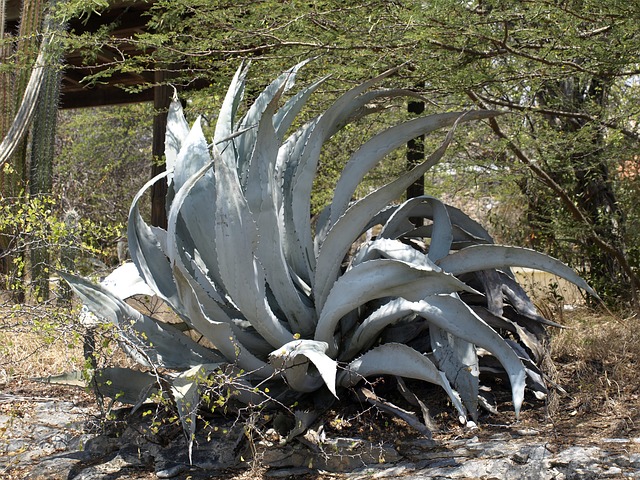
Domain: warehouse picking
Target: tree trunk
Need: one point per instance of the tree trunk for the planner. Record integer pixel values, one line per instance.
(586, 173)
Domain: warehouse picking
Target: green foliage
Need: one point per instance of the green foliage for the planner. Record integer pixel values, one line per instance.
(103, 155)
(38, 224)
(293, 306)
(565, 71)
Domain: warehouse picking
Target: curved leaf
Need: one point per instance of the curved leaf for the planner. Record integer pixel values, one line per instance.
(424, 207)
(241, 273)
(377, 279)
(176, 133)
(264, 200)
(147, 254)
(375, 149)
(403, 361)
(394, 250)
(288, 356)
(155, 343)
(483, 257)
(125, 282)
(458, 360)
(452, 315)
(349, 226)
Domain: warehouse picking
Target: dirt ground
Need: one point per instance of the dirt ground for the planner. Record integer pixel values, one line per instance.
(593, 373)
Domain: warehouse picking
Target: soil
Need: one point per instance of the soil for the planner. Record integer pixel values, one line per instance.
(594, 401)
(571, 420)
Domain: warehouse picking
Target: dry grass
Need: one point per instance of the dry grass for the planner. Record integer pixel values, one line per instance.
(37, 342)
(597, 356)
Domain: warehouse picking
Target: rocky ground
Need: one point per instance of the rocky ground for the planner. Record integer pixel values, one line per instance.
(51, 433)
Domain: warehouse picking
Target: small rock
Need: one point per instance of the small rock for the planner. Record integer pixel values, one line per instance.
(171, 472)
(612, 472)
(520, 458)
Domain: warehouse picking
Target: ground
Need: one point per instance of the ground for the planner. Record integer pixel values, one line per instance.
(594, 366)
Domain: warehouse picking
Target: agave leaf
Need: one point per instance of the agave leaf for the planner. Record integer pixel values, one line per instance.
(246, 143)
(186, 394)
(400, 360)
(520, 301)
(482, 257)
(303, 153)
(125, 282)
(349, 226)
(147, 254)
(126, 385)
(206, 314)
(192, 233)
(264, 200)
(528, 339)
(394, 250)
(369, 330)
(193, 155)
(123, 384)
(376, 279)
(226, 116)
(373, 151)
(220, 332)
(458, 360)
(75, 378)
(285, 116)
(155, 343)
(465, 231)
(465, 223)
(295, 369)
(177, 131)
(426, 207)
(241, 273)
(454, 316)
(535, 378)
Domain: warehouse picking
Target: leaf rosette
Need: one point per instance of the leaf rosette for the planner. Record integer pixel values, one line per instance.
(242, 265)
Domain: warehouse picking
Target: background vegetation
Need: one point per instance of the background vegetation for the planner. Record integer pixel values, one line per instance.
(558, 173)
(566, 72)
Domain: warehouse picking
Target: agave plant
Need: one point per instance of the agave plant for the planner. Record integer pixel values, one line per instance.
(282, 299)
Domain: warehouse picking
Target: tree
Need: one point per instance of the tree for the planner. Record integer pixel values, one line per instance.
(552, 63)
(563, 70)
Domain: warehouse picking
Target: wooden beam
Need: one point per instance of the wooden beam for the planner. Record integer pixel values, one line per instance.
(161, 102)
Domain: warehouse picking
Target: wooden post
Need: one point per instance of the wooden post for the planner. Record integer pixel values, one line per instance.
(415, 156)
(161, 102)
